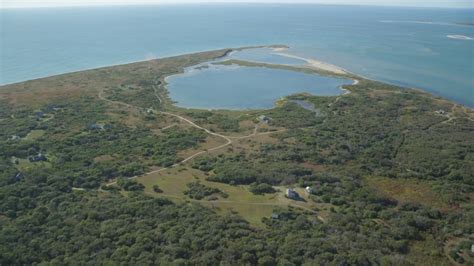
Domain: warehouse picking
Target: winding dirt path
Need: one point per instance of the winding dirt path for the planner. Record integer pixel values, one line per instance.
(228, 139)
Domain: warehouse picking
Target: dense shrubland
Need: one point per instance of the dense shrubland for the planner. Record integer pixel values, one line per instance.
(74, 144)
(378, 130)
(81, 227)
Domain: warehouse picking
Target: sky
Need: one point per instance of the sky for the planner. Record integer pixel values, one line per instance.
(57, 3)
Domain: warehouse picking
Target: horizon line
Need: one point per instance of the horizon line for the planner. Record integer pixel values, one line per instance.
(225, 3)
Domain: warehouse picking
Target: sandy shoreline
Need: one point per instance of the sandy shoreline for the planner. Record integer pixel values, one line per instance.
(312, 63)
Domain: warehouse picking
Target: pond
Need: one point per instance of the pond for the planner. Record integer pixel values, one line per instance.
(235, 87)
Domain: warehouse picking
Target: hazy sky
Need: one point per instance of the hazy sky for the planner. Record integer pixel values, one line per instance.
(420, 3)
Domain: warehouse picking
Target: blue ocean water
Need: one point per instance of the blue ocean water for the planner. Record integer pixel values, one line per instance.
(236, 87)
(405, 46)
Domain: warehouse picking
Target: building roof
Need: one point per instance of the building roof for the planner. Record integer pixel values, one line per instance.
(264, 118)
(291, 193)
(18, 176)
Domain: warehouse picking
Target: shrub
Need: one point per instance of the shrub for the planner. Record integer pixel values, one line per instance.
(157, 189)
(262, 188)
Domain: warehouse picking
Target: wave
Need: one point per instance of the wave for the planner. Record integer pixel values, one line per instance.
(460, 37)
(428, 22)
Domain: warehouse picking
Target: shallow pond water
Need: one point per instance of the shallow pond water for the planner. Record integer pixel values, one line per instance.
(237, 87)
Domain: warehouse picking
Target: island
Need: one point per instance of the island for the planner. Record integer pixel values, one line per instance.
(101, 167)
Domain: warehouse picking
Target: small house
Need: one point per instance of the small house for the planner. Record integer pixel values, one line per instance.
(292, 194)
(264, 119)
(275, 216)
(150, 111)
(18, 177)
(51, 108)
(15, 137)
(441, 112)
(96, 127)
(39, 114)
(38, 158)
(308, 190)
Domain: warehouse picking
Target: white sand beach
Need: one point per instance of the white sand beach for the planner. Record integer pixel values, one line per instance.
(312, 62)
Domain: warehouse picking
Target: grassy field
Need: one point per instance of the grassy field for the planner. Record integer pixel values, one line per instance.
(25, 165)
(240, 200)
(426, 252)
(34, 134)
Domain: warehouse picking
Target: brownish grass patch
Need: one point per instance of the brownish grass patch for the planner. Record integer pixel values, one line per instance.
(408, 190)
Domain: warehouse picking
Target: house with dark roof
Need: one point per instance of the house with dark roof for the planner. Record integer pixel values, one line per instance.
(15, 137)
(150, 111)
(51, 108)
(98, 127)
(18, 177)
(39, 114)
(37, 158)
(264, 119)
(95, 127)
(292, 194)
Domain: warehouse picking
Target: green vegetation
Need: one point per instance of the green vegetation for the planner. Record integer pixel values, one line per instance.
(34, 134)
(198, 191)
(129, 185)
(157, 189)
(223, 122)
(240, 200)
(290, 115)
(236, 170)
(262, 188)
(73, 140)
(391, 175)
(141, 94)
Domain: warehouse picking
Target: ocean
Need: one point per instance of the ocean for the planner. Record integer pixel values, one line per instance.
(427, 48)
